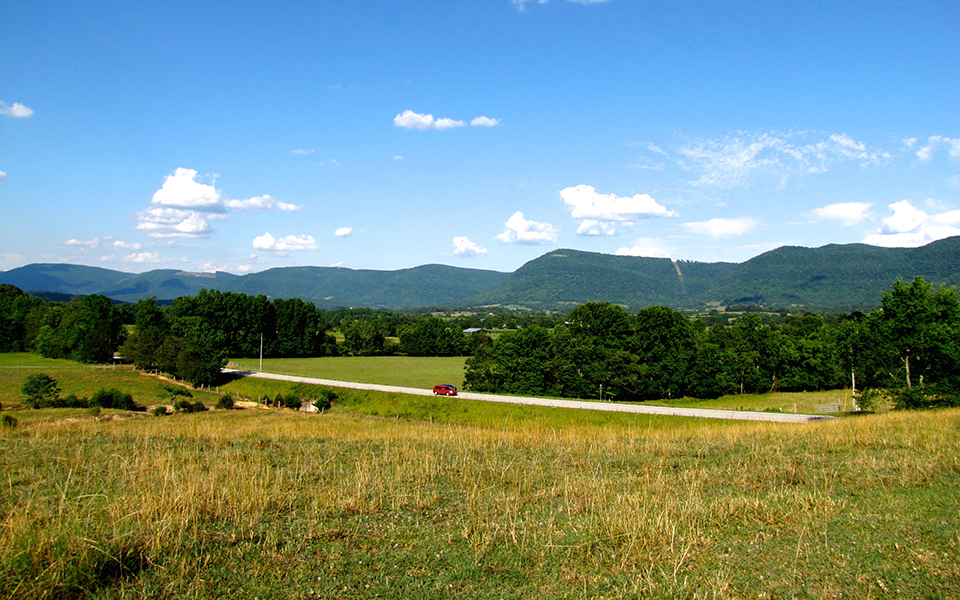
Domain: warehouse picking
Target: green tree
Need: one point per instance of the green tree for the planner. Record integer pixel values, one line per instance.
(152, 328)
(520, 360)
(40, 390)
(365, 338)
(922, 325)
(432, 337)
(665, 345)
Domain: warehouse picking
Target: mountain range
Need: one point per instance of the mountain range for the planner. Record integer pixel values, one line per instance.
(837, 277)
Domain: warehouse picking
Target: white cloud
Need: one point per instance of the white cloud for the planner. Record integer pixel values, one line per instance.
(143, 257)
(288, 207)
(284, 244)
(521, 3)
(737, 160)
(125, 246)
(588, 204)
(173, 222)
(925, 153)
(484, 122)
(905, 218)
(522, 231)
(3, 175)
(647, 247)
(599, 213)
(17, 110)
(848, 213)
(411, 120)
(343, 231)
(442, 124)
(591, 227)
(722, 227)
(397, 157)
(264, 202)
(94, 243)
(302, 151)
(182, 190)
(909, 227)
(464, 247)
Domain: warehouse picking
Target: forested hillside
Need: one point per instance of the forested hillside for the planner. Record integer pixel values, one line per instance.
(834, 278)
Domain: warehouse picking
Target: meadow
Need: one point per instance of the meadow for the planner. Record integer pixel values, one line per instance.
(514, 502)
(407, 371)
(425, 372)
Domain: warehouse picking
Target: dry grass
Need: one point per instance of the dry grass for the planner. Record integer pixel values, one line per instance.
(278, 504)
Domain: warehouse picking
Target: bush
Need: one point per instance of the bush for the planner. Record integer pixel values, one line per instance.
(72, 401)
(225, 402)
(173, 391)
(292, 401)
(8, 421)
(41, 391)
(182, 405)
(915, 398)
(113, 398)
(159, 411)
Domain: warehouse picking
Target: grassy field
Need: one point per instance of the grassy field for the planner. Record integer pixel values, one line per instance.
(423, 372)
(396, 496)
(406, 371)
(278, 504)
(82, 380)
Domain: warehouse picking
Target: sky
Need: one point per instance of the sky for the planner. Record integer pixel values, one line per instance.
(241, 136)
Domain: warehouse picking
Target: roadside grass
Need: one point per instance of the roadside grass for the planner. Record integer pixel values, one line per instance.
(406, 371)
(451, 410)
(82, 380)
(787, 402)
(425, 372)
(280, 504)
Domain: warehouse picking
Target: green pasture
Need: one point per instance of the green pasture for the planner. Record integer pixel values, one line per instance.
(82, 380)
(260, 503)
(406, 371)
(425, 372)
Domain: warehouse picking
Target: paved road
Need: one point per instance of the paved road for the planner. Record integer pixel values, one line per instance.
(707, 413)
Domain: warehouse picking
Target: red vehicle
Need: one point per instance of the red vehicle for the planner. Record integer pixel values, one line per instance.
(444, 390)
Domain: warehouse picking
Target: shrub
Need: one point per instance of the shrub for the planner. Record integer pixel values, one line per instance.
(325, 399)
(172, 391)
(159, 411)
(225, 402)
(8, 421)
(40, 390)
(72, 401)
(183, 405)
(113, 398)
(292, 401)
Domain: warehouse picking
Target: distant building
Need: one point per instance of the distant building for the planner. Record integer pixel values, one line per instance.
(473, 330)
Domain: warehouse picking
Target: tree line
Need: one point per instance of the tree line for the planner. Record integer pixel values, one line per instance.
(910, 347)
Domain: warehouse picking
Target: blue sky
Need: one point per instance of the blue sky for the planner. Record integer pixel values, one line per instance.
(240, 136)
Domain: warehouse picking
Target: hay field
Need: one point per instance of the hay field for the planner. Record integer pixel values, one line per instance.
(276, 504)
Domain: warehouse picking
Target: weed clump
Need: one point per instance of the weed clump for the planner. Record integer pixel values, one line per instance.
(8, 422)
(225, 402)
(114, 398)
(185, 406)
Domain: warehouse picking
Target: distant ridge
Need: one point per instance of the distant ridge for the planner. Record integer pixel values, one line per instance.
(837, 277)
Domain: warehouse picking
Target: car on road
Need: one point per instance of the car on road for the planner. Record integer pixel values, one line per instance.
(444, 390)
